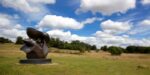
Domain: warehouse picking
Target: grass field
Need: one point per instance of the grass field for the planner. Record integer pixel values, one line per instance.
(101, 63)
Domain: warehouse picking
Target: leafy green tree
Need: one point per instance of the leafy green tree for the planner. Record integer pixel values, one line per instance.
(131, 49)
(19, 40)
(93, 47)
(137, 49)
(115, 50)
(104, 48)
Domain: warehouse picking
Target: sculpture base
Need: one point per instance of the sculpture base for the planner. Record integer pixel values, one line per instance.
(35, 61)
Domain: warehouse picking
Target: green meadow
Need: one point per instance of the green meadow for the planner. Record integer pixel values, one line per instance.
(92, 63)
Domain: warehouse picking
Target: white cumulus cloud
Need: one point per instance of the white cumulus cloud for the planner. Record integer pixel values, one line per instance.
(65, 36)
(145, 22)
(142, 28)
(9, 28)
(116, 40)
(145, 2)
(106, 7)
(27, 6)
(91, 20)
(42, 1)
(59, 22)
(99, 38)
(110, 26)
(68, 36)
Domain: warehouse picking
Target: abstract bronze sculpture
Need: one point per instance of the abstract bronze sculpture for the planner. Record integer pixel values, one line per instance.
(35, 47)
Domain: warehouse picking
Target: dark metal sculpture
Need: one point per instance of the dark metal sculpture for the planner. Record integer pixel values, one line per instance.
(35, 47)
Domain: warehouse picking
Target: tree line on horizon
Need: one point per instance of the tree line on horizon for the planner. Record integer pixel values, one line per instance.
(57, 43)
(82, 47)
(5, 40)
(74, 45)
(128, 49)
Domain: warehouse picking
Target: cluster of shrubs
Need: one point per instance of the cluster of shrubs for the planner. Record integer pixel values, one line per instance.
(114, 50)
(137, 49)
(19, 40)
(5, 40)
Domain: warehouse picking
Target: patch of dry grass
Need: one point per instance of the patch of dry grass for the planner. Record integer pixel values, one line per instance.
(101, 63)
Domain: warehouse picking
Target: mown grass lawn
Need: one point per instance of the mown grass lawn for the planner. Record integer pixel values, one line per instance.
(70, 64)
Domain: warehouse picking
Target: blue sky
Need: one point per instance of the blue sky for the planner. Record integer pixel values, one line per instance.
(98, 22)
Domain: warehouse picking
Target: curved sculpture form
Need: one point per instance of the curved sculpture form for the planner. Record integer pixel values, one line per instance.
(36, 46)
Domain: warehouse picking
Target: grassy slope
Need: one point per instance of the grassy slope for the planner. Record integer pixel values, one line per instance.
(70, 64)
